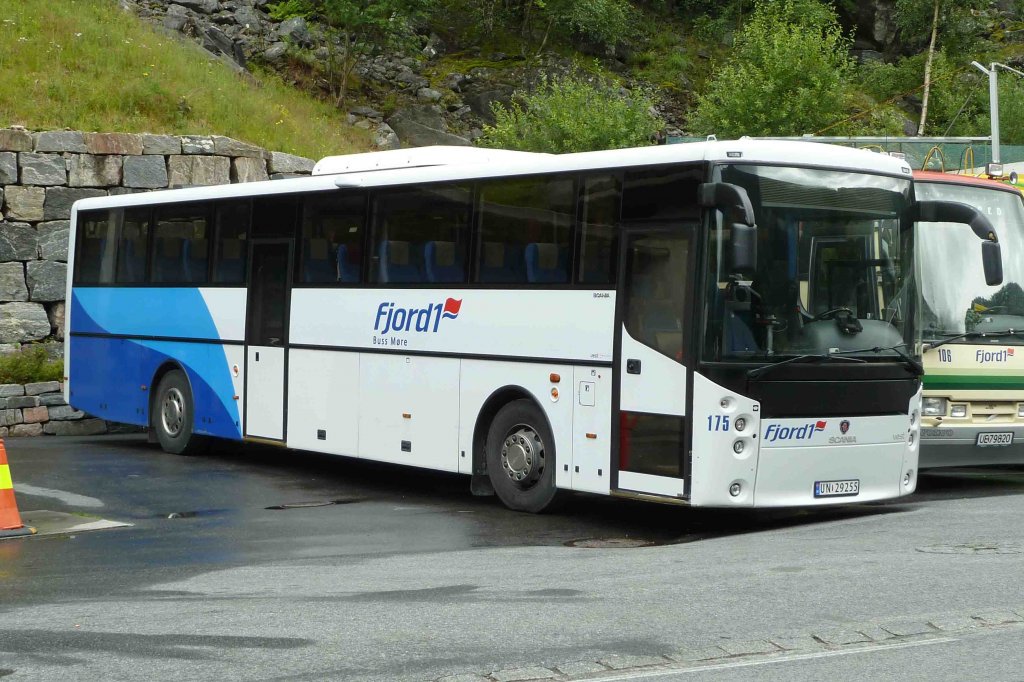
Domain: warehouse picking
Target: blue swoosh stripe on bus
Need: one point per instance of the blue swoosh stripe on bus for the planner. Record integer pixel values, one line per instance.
(99, 362)
(163, 311)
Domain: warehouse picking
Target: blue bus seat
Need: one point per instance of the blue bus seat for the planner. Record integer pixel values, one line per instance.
(738, 336)
(501, 262)
(195, 252)
(169, 263)
(546, 263)
(443, 262)
(231, 264)
(397, 262)
(132, 267)
(318, 266)
(348, 271)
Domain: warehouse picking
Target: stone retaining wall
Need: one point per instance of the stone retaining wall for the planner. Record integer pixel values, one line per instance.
(41, 175)
(38, 409)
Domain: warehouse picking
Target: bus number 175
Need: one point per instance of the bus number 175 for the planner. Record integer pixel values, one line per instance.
(717, 422)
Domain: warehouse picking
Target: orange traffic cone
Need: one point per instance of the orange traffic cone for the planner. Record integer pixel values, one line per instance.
(10, 519)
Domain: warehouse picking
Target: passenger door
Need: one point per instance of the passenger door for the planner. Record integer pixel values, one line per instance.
(656, 273)
(266, 338)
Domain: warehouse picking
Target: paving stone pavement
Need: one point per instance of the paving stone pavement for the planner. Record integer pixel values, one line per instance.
(828, 638)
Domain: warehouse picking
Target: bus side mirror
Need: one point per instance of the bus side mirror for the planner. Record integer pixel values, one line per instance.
(938, 211)
(734, 202)
(992, 260)
(727, 198)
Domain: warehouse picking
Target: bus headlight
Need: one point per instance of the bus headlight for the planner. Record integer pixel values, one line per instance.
(740, 423)
(933, 407)
(958, 411)
(737, 447)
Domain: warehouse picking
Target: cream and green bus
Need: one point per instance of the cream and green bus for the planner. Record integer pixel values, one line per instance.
(973, 408)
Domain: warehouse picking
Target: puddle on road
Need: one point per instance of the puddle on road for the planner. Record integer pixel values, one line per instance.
(610, 543)
(987, 548)
(192, 514)
(316, 503)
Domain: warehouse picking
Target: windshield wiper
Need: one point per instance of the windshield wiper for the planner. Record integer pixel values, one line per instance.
(970, 335)
(913, 365)
(759, 371)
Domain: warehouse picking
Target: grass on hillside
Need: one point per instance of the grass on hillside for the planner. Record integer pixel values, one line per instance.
(87, 65)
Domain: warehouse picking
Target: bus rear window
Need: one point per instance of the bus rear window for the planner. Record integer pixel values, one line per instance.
(133, 245)
(97, 245)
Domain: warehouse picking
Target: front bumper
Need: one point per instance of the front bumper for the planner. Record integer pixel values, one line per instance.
(953, 446)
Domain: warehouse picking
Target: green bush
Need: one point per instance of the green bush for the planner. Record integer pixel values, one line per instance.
(788, 75)
(30, 365)
(571, 114)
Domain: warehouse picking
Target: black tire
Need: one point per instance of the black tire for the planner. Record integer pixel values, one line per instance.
(172, 415)
(520, 453)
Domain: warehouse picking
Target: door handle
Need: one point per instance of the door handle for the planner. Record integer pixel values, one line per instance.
(632, 366)
(257, 356)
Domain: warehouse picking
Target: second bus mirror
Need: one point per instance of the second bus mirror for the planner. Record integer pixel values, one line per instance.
(992, 261)
(744, 247)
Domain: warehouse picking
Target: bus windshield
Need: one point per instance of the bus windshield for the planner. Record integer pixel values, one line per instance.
(956, 299)
(833, 270)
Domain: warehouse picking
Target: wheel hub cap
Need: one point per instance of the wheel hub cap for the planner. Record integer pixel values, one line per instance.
(522, 456)
(172, 412)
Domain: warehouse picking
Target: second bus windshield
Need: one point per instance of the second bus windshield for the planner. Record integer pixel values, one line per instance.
(956, 298)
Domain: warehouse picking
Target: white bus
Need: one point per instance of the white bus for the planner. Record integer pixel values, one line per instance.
(718, 324)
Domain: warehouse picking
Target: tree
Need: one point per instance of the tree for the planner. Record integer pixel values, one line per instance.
(955, 17)
(788, 74)
(355, 28)
(604, 21)
(570, 114)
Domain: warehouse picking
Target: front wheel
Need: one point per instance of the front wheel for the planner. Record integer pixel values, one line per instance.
(521, 457)
(172, 415)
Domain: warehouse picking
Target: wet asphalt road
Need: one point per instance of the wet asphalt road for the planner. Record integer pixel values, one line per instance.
(376, 572)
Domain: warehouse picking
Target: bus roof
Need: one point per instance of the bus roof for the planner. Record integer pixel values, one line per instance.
(415, 157)
(440, 164)
(957, 179)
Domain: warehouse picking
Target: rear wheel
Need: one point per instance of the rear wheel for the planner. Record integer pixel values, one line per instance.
(521, 457)
(172, 415)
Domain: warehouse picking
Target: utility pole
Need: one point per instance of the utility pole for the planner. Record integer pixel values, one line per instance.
(993, 101)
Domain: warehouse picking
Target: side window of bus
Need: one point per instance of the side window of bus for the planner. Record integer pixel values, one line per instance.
(597, 230)
(525, 230)
(97, 245)
(420, 235)
(133, 246)
(231, 248)
(332, 238)
(180, 244)
(667, 195)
